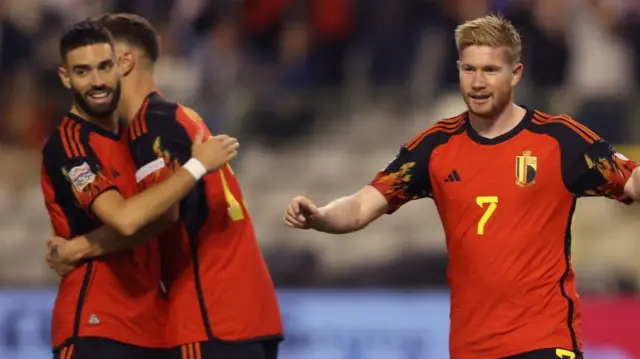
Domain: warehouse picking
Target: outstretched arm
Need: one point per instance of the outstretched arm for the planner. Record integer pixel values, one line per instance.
(632, 187)
(404, 179)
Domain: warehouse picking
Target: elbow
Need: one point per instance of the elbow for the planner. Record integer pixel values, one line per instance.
(126, 226)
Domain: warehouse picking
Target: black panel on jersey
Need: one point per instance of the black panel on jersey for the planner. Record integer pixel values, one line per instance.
(162, 124)
(575, 145)
(54, 159)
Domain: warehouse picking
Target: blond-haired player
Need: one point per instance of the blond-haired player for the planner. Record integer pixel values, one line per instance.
(505, 180)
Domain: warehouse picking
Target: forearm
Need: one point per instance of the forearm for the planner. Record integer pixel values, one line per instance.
(350, 214)
(634, 182)
(338, 217)
(106, 240)
(152, 203)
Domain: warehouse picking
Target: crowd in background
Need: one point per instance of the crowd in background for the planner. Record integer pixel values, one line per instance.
(321, 93)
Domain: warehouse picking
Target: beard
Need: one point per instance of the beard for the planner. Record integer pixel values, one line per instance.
(489, 109)
(101, 110)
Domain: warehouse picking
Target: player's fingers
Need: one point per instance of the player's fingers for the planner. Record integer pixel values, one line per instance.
(312, 209)
(295, 207)
(199, 137)
(295, 223)
(232, 145)
(221, 137)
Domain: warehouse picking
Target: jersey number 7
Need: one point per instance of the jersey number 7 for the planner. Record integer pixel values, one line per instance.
(233, 206)
(492, 201)
(565, 354)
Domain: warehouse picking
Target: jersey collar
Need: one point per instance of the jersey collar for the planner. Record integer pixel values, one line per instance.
(502, 138)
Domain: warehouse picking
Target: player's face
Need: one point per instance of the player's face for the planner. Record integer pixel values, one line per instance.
(91, 75)
(487, 79)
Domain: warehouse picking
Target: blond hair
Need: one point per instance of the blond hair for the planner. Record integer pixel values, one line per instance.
(493, 31)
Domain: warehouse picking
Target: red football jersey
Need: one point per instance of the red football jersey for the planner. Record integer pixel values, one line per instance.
(506, 206)
(218, 284)
(117, 296)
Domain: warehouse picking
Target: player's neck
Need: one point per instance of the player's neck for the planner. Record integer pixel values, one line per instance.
(506, 121)
(109, 123)
(134, 93)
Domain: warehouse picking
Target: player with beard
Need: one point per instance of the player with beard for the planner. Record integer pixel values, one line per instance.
(111, 307)
(222, 302)
(505, 180)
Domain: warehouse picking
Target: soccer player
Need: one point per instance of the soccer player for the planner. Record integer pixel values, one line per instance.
(222, 302)
(110, 307)
(505, 180)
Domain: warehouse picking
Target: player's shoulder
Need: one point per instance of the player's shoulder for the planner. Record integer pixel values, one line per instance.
(65, 140)
(439, 133)
(562, 127)
(157, 114)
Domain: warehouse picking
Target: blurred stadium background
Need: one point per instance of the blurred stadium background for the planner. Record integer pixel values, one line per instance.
(321, 93)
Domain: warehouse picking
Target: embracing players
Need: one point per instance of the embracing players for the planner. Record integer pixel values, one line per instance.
(112, 306)
(513, 292)
(221, 300)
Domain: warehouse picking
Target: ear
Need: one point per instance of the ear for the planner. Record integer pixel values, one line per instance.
(517, 74)
(126, 63)
(64, 77)
(458, 64)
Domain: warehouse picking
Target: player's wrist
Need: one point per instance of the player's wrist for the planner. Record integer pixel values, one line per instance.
(195, 168)
(76, 250)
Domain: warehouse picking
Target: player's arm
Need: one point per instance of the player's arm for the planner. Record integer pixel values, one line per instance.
(404, 179)
(158, 153)
(592, 167)
(129, 216)
(632, 188)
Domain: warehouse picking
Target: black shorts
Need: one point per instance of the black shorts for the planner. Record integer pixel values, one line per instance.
(548, 354)
(102, 348)
(267, 349)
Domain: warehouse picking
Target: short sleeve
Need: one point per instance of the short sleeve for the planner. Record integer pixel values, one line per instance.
(160, 142)
(406, 177)
(591, 166)
(82, 171)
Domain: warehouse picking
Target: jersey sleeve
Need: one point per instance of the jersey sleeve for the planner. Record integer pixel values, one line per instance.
(406, 177)
(590, 165)
(80, 168)
(160, 141)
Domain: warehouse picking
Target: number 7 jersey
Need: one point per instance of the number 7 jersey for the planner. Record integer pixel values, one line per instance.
(218, 284)
(506, 205)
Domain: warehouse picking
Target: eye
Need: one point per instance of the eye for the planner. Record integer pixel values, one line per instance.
(106, 66)
(467, 68)
(80, 72)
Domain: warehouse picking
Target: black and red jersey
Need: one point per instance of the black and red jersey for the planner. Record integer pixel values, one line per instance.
(117, 296)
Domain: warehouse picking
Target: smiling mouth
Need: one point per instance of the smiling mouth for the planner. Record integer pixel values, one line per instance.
(99, 95)
(479, 97)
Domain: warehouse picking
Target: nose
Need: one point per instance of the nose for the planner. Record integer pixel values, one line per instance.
(479, 81)
(97, 80)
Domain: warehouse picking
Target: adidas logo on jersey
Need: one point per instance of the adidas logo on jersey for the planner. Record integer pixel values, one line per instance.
(93, 319)
(453, 177)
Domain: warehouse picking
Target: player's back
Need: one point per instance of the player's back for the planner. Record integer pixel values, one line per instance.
(117, 296)
(218, 283)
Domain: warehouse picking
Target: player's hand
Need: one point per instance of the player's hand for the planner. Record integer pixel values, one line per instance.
(300, 213)
(214, 152)
(58, 257)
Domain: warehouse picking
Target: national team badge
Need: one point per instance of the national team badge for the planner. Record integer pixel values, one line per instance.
(526, 169)
(81, 176)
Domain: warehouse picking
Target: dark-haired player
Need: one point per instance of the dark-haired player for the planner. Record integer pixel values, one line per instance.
(505, 180)
(222, 303)
(110, 307)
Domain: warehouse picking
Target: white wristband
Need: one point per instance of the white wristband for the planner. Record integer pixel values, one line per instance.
(195, 168)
